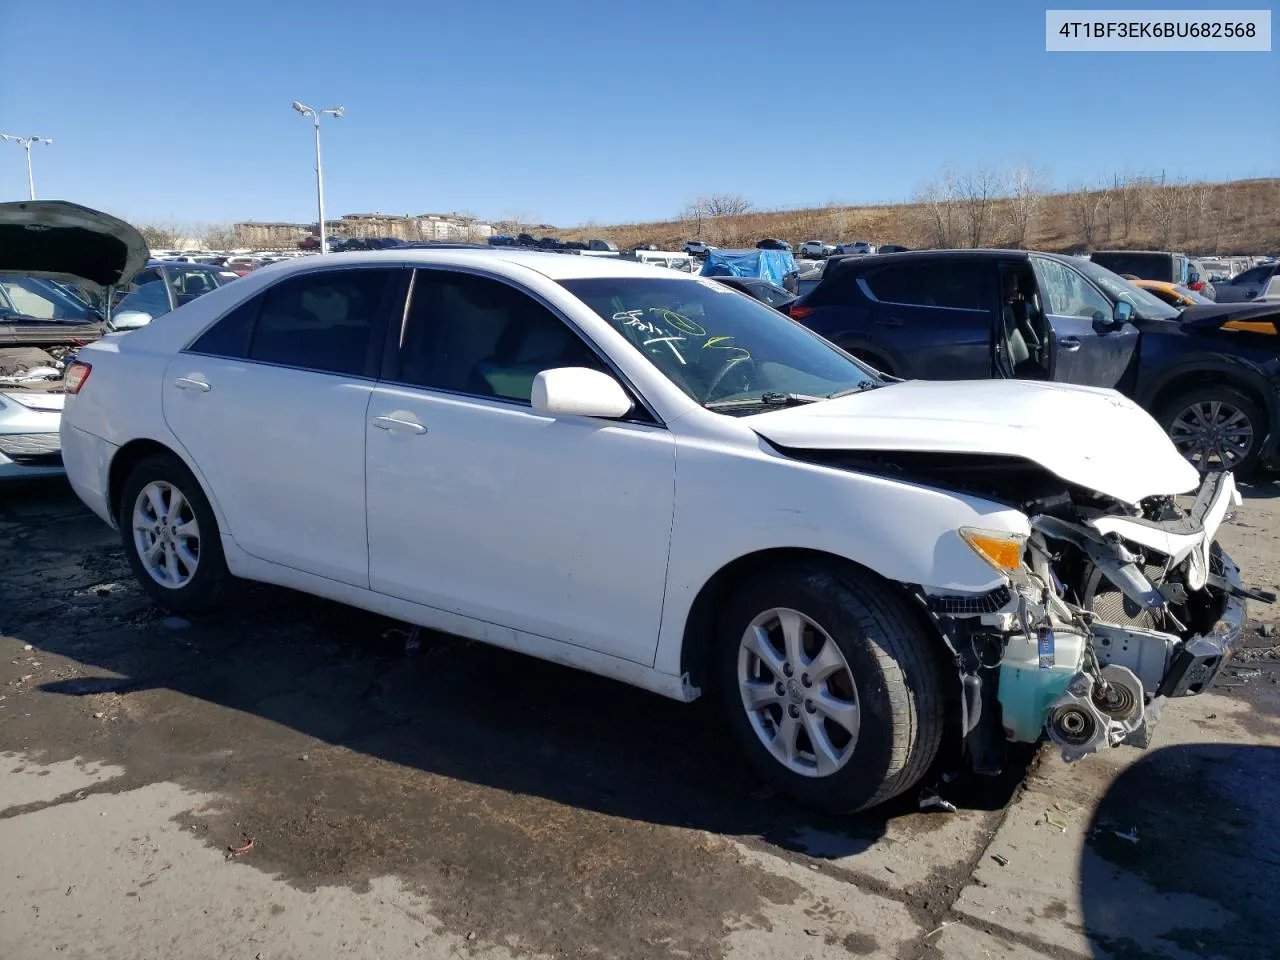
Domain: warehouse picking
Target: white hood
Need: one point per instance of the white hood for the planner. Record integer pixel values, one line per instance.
(1088, 436)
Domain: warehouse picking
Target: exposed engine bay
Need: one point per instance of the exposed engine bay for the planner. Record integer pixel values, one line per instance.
(1116, 608)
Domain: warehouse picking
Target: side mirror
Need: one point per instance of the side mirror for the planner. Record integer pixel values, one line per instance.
(130, 319)
(1122, 313)
(579, 392)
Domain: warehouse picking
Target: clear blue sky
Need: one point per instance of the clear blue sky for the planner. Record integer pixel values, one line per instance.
(604, 110)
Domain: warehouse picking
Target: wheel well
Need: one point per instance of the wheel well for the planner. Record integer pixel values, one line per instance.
(873, 357)
(1206, 378)
(122, 464)
(700, 626)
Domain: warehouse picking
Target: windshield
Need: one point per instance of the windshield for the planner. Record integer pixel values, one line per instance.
(717, 345)
(1145, 305)
(33, 298)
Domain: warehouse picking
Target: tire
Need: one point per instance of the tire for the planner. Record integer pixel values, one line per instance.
(1234, 409)
(887, 653)
(197, 586)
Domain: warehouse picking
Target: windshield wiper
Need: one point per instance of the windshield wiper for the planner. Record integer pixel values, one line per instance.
(865, 385)
(768, 399)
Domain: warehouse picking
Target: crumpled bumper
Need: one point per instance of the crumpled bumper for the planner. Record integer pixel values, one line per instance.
(1202, 658)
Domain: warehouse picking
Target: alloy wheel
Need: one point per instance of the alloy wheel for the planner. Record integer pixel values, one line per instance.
(799, 692)
(166, 534)
(1212, 434)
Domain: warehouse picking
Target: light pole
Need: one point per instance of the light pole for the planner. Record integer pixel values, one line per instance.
(314, 114)
(26, 143)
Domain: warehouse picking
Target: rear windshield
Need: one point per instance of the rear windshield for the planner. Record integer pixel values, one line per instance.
(1144, 266)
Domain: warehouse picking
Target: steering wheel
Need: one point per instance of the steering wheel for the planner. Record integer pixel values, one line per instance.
(747, 364)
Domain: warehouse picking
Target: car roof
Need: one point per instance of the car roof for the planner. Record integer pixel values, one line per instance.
(554, 266)
(186, 265)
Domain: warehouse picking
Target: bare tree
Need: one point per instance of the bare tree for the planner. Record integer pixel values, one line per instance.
(1026, 197)
(978, 190)
(1164, 212)
(161, 236)
(727, 205)
(1130, 194)
(1195, 209)
(219, 236)
(1088, 207)
(695, 212)
(939, 206)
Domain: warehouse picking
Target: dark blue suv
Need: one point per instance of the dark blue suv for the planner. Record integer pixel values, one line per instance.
(1210, 374)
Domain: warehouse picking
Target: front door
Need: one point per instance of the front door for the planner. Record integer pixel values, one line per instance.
(1085, 346)
(479, 505)
(270, 405)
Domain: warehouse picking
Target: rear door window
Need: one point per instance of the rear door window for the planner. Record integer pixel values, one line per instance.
(331, 322)
(956, 285)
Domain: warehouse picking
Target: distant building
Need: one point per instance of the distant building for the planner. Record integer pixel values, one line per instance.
(271, 236)
(426, 226)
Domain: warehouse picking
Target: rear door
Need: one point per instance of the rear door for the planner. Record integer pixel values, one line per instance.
(270, 404)
(1085, 348)
(934, 318)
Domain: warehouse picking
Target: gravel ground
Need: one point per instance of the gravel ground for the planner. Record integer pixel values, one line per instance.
(281, 780)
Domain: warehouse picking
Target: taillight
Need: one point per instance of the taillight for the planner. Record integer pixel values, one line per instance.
(1198, 285)
(76, 374)
(799, 313)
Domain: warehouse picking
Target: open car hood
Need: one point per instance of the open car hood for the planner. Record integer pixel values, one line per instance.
(1088, 436)
(1213, 315)
(64, 241)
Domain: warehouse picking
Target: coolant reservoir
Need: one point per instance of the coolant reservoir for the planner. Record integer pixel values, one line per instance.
(1029, 682)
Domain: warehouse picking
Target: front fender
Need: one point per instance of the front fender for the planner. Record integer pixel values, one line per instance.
(732, 506)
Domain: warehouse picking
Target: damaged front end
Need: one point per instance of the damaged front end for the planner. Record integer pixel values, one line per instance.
(1113, 610)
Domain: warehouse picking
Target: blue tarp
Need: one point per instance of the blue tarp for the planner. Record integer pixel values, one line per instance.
(771, 265)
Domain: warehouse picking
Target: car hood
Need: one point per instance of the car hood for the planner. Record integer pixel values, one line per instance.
(64, 241)
(1213, 315)
(1088, 436)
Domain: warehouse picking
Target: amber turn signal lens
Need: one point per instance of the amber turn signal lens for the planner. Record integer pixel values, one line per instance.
(1002, 550)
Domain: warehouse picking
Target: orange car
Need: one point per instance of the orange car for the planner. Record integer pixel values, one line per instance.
(1173, 294)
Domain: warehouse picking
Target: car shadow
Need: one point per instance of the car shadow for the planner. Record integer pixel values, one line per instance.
(452, 708)
(1182, 855)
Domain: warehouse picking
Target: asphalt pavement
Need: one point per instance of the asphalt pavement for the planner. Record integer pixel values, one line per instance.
(283, 780)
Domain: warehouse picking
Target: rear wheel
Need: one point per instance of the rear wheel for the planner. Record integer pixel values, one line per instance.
(171, 537)
(830, 686)
(1216, 428)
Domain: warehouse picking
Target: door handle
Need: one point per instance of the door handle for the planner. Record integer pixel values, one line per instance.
(401, 426)
(1070, 344)
(187, 383)
(889, 322)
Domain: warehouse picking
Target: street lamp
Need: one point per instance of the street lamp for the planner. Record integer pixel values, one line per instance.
(26, 143)
(314, 114)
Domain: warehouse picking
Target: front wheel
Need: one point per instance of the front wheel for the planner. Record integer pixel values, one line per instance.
(171, 537)
(1216, 428)
(830, 686)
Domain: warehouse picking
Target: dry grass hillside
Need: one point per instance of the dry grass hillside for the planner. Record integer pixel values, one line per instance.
(1136, 213)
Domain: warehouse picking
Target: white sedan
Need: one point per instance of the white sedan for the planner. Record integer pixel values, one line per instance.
(655, 478)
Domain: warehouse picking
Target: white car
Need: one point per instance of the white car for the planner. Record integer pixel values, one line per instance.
(857, 247)
(50, 250)
(652, 477)
(697, 248)
(816, 248)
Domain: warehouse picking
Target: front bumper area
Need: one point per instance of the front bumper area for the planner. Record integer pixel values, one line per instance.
(1203, 657)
